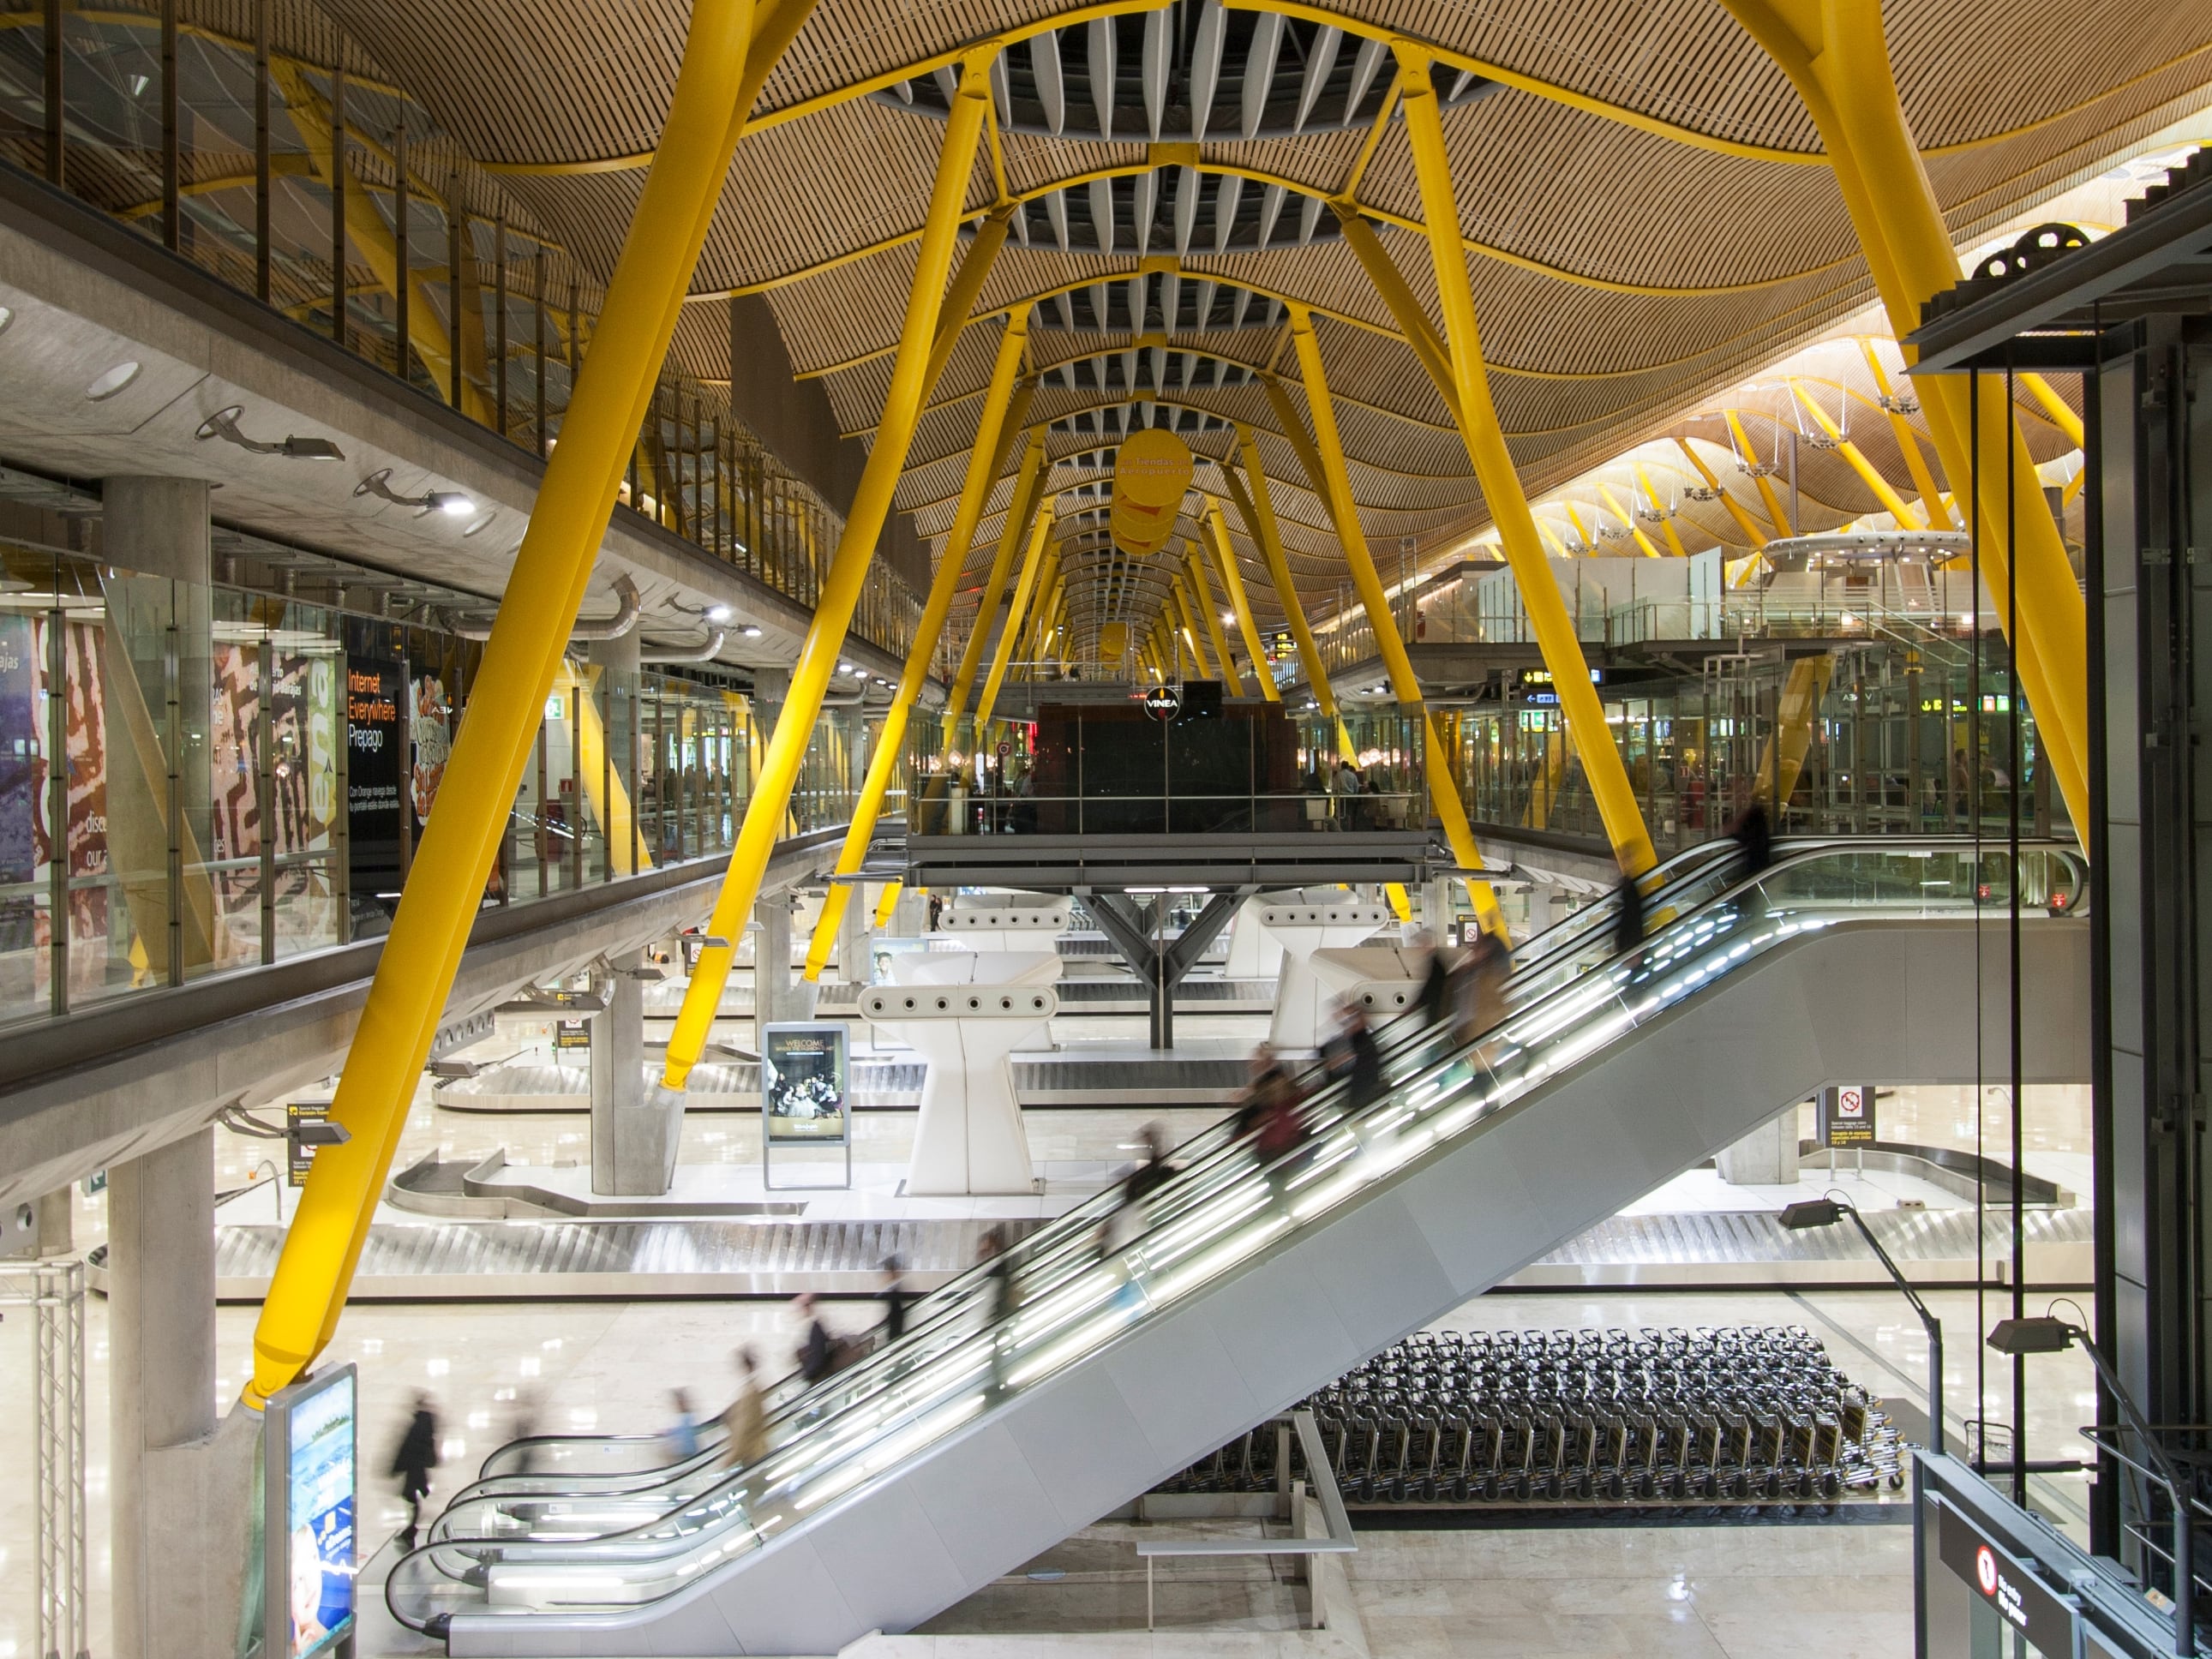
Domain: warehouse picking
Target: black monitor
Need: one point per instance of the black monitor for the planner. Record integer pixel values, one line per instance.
(1201, 701)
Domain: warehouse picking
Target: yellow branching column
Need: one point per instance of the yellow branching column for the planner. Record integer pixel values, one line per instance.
(1554, 628)
(1040, 531)
(1232, 579)
(1837, 56)
(1195, 558)
(841, 592)
(1021, 507)
(1324, 459)
(1004, 406)
(716, 87)
(1257, 507)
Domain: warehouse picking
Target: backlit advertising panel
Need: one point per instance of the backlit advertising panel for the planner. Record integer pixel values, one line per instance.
(312, 1476)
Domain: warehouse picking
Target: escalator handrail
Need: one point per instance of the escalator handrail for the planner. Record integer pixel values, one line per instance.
(1678, 937)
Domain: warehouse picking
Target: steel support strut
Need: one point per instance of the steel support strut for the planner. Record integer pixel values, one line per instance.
(1028, 482)
(728, 52)
(1579, 704)
(1837, 56)
(1003, 404)
(1232, 579)
(1003, 653)
(840, 592)
(1194, 559)
(1327, 451)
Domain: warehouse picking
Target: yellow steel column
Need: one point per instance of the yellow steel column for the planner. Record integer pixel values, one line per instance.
(1412, 322)
(1027, 482)
(1908, 442)
(1837, 56)
(967, 288)
(1192, 631)
(1257, 509)
(840, 592)
(1628, 518)
(1666, 519)
(715, 90)
(1046, 595)
(984, 460)
(1868, 474)
(1232, 579)
(1039, 529)
(1405, 684)
(1775, 514)
(1744, 521)
(1195, 562)
(1784, 753)
(1501, 485)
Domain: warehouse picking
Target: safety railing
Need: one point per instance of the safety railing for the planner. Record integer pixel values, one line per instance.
(1068, 1291)
(294, 169)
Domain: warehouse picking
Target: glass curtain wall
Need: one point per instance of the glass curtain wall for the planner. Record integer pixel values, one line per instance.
(196, 781)
(256, 140)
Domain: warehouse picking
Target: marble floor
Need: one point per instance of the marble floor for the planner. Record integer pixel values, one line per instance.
(611, 1368)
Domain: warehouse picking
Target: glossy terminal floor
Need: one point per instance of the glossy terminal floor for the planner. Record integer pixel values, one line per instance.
(1827, 1591)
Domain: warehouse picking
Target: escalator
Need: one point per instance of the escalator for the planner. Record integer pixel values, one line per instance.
(900, 1486)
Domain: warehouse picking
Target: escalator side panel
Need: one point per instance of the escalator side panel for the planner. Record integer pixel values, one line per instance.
(1817, 1009)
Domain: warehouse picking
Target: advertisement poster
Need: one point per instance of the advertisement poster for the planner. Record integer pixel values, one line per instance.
(1847, 1116)
(805, 1080)
(430, 741)
(375, 765)
(315, 1507)
(22, 777)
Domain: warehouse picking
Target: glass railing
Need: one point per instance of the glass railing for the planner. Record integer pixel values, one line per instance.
(202, 780)
(1071, 1293)
(297, 171)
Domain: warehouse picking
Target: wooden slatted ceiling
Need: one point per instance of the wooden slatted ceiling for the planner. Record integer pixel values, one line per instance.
(1582, 370)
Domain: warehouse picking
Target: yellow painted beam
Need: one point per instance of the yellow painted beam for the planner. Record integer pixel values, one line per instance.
(1444, 798)
(603, 788)
(1029, 485)
(1191, 631)
(1666, 519)
(1257, 509)
(1579, 704)
(1195, 562)
(714, 88)
(1777, 778)
(985, 458)
(2060, 411)
(1932, 500)
(848, 568)
(1837, 56)
(1744, 521)
(1040, 531)
(1775, 514)
(1628, 518)
(1232, 579)
(1869, 473)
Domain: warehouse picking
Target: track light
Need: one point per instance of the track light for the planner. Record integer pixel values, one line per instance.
(451, 503)
(223, 424)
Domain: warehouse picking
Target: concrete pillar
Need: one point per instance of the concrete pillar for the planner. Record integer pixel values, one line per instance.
(180, 1480)
(853, 940)
(778, 992)
(157, 678)
(635, 1128)
(1540, 909)
(57, 1222)
(1767, 1156)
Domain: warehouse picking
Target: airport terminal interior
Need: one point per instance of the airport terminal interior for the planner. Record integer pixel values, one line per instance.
(1295, 828)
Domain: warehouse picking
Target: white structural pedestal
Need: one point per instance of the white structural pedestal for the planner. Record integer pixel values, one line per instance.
(1018, 925)
(1253, 952)
(1302, 929)
(1385, 980)
(969, 1137)
(965, 1012)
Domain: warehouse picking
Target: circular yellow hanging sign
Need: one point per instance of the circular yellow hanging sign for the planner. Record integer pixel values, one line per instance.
(1150, 473)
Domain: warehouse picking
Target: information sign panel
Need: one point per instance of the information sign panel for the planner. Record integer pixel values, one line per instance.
(311, 1483)
(805, 1080)
(1847, 1116)
(1992, 1572)
(299, 1160)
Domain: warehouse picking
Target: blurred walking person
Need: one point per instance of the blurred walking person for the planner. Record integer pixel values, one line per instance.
(412, 1464)
(744, 1425)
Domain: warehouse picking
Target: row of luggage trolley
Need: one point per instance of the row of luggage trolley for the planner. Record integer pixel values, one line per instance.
(1587, 1418)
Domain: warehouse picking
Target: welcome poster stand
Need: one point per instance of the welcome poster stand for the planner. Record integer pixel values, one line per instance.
(806, 1093)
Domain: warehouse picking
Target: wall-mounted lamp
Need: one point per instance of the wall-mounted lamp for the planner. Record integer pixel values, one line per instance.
(451, 503)
(750, 632)
(223, 424)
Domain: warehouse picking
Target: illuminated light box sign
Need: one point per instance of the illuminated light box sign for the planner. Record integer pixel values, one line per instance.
(805, 1081)
(2023, 1600)
(311, 1490)
(1847, 1116)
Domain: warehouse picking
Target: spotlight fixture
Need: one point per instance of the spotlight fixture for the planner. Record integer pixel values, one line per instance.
(223, 424)
(718, 613)
(451, 503)
(750, 632)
